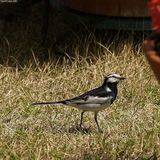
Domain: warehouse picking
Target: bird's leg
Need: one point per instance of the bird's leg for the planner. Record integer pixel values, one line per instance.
(95, 118)
(80, 125)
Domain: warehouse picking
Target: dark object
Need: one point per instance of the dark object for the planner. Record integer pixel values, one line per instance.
(157, 47)
(45, 20)
(152, 52)
(19, 8)
(155, 36)
(118, 8)
(9, 11)
(111, 14)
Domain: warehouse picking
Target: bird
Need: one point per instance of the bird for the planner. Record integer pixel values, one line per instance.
(94, 100)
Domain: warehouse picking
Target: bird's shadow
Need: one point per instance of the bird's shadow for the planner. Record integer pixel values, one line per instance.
(78, 129)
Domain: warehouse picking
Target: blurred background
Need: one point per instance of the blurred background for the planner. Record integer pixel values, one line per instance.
(52, 28)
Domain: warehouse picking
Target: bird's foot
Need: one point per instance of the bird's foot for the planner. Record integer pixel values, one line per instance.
(100, 131)
(76, 129)
(83, 129)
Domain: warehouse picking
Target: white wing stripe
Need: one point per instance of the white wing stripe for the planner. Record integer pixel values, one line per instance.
(91, 99)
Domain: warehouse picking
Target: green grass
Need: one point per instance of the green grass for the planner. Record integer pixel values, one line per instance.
(131, 126)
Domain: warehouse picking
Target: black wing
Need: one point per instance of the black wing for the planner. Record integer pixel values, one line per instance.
(97, 92)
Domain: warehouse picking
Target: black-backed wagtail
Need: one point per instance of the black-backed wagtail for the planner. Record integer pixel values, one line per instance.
(94, 100)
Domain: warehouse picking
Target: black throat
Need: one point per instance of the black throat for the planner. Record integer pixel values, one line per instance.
(113, 88)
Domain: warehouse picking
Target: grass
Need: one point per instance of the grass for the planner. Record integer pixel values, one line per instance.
(131, 127)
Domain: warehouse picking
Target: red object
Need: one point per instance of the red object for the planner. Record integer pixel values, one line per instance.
(154, 7)
(154, 61)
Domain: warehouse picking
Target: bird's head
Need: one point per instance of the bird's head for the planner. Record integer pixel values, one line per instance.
(113, 78)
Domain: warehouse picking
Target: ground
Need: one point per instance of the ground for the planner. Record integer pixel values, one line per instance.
(131, 126)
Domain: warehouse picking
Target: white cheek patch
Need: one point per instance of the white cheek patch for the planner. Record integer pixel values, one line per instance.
(113, 80)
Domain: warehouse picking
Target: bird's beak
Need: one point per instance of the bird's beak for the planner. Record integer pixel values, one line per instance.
(122, 78)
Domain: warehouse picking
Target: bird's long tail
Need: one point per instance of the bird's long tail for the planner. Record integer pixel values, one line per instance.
(49, 103)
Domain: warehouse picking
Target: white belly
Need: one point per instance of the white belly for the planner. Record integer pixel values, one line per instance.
(92, 107)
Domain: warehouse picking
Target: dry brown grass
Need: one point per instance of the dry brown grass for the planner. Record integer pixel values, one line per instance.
(131, 127)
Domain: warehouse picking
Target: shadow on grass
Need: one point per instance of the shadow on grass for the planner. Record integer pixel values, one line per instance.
(77, 129)
(21, 45)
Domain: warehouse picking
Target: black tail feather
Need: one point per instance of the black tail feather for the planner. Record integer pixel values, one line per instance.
(48, 103)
